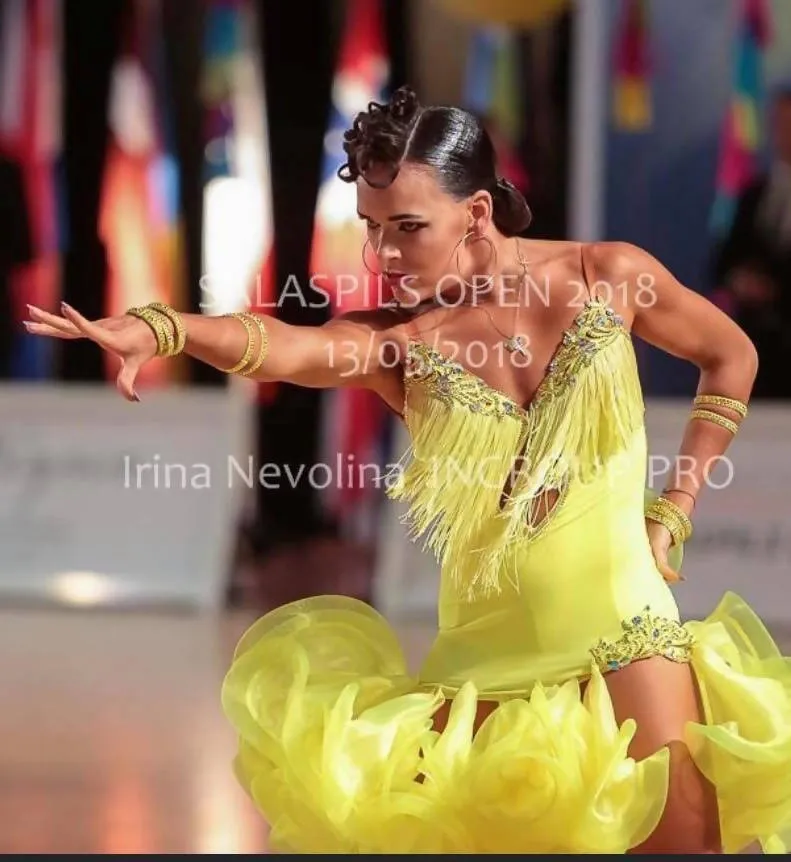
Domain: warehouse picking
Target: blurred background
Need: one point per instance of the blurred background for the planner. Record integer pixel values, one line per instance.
(185, 151)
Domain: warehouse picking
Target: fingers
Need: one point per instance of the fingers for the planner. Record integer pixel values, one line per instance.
(670, 575)
(50, 322)
(658, 539)
(46, 329)
(74, 325)
(96, 333)
(125, 382)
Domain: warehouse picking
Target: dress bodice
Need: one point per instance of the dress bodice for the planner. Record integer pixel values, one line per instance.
(480, 464)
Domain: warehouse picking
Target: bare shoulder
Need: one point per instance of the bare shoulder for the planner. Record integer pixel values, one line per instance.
(665, 312)
(635, 276)
(616, 258)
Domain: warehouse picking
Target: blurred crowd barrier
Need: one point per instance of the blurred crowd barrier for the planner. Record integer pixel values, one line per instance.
(103, 502)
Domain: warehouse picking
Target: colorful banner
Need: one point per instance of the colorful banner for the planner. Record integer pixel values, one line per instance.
(741, 133)
(30, 138)
(632, 105)
(139, 219)
(238, 229)
(492, 90)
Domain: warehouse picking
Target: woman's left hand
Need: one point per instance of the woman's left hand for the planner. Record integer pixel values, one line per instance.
(660, 540)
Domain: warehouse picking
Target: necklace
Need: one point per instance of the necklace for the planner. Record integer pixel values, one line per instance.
(516, 343)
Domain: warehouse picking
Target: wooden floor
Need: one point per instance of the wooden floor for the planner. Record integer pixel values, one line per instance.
(112, 739)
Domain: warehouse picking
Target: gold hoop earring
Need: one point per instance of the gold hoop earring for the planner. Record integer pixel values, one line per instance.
(492, 257)
(364, 263)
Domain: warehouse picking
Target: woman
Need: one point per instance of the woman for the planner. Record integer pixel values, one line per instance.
(562, 707)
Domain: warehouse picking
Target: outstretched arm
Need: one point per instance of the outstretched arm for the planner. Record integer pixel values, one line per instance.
(347, 351)
(685, 324)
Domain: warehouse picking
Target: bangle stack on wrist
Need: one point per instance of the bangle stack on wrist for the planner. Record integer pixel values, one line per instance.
(166, 324)
(247, 366)
(667, 513)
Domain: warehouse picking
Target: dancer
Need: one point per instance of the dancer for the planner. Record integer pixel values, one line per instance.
(563, 707)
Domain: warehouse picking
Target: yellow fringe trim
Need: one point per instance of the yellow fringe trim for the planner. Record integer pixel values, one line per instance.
(467, 440)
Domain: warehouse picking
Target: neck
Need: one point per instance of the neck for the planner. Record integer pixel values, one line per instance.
(502, 284)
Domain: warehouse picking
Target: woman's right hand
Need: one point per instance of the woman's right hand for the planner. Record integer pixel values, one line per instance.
(128, 337)
(660, 540)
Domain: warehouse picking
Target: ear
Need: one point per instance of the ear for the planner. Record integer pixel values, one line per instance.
(480, 209)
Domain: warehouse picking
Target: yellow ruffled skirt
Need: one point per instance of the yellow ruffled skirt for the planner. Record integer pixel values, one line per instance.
(337, 751)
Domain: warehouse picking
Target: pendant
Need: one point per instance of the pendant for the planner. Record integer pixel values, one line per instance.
(516, 344)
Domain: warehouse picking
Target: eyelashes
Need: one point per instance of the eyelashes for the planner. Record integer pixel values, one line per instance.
(403, 227)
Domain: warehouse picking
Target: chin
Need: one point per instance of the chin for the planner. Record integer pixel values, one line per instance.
(410, 290)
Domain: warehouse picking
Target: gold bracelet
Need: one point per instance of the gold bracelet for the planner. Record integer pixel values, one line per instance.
(160, 326)
(667, 521)
(716, 418)
(721, 401)
(680, 517)
(263, 347)
(672, 516)
(243, 362)
(179, 330)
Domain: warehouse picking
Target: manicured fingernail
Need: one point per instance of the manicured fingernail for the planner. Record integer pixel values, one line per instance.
(135, 395)
(65, 306)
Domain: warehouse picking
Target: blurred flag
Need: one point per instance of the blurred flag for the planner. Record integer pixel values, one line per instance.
(492, 90)
(355, 420)
(139, 209)
(631, 105)
(30, 135)
(740, 140)
(238, 229)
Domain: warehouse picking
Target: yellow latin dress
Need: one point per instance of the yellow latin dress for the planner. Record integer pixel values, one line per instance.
(336, 745)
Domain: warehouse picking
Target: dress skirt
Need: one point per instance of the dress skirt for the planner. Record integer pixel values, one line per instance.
(337, 750)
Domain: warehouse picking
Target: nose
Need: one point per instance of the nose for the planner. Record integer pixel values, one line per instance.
(388, 254)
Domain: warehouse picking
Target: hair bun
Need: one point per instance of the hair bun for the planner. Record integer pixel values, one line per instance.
(379, 136)
(512, 214)
(403, 104)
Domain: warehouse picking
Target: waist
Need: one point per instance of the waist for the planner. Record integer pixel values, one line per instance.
(559, 595)
(506, 644)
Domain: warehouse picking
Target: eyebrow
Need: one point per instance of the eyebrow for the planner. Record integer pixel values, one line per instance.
(396, 217)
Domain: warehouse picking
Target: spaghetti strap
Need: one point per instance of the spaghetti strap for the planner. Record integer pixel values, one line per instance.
(590, 282)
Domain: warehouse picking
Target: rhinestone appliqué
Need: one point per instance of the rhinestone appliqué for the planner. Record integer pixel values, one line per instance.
(594, 327)
(644, 636)
(451, 383)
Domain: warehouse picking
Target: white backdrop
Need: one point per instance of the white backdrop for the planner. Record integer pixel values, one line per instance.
(107, 502)
(742, 538)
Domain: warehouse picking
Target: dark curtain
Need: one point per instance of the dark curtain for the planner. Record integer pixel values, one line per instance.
(545, 58)
(91, 40)
(183, 23)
